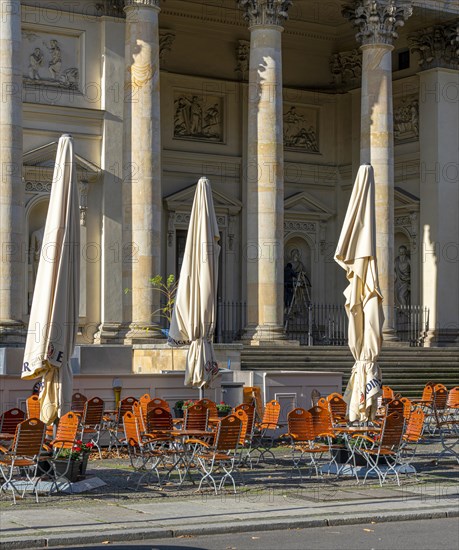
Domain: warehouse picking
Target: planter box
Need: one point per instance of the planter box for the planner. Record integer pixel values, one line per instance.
(178, 413)
(342, 456)
(72, 473)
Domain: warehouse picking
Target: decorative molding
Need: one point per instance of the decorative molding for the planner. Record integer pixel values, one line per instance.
(437, 46)
(111, 8)
(346, 68)
(377, 20)
(166, 39)
(141, 4)
(242, 59)
(304, 227)
(170, 228)
(84, 189)
(406, 120)
(38, 186)
(265, 12)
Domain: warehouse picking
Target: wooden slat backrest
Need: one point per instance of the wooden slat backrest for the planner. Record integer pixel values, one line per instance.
(137, 410)
(271, 414)
(427, 392)
(67, 430)
(323, 402)
(392, 430)
(321, 420)
(453, 398)
(28, 438)
(10, 419)
(144, 400)
(158, 402)
(406, 407)
(244, 422)
(396, 405)
(387, 394)
(337, 407)
(131, 429)
(78, 401)
(196, 418)
(440, 397)
(228, 433)
(33, 406)
(124, 406)
(93, 412)
(300, 425)
(252, 394)
(159, 419)
(249, 409)
(415, 424)
(209, 405)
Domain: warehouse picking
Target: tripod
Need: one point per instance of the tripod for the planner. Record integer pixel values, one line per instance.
(300, 297)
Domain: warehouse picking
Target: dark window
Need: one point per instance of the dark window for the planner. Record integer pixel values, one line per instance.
(180, 239)
(403, 60)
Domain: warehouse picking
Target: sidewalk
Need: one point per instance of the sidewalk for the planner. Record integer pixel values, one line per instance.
(269, 501)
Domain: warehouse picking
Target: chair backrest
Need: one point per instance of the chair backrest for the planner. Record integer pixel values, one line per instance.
(300, 425)
(67, 430)
(33, 406)
(392, 430)
(440, 397)
(337, 407)
(78, 401)
(195, 418)
(321, 420)
(414, 427)
(124, 406)
(211, 406)
(245, 420)
(427, 392)
(159, 420)
(406, 407)
(387, 395)
(137, 410)
(323, 402)
(249, 409)
(271, 414)
(396, 405)
(453, 398)
(252, 395)
(93, 412)
(144, 400)
(10, 419)
(29, 437)
(131, 429)
(228, 433)
(158, 402)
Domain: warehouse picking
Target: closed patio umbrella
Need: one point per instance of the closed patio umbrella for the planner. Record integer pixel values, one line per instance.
(356, 253)
(193, 317)
(54, 314)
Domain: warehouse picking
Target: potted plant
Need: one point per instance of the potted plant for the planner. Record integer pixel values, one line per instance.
(178, 409)
(72, 463)
(223, 409)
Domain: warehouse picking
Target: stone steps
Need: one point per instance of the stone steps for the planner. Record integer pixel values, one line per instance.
(405, 369)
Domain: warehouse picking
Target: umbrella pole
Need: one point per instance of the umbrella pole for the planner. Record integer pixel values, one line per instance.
(201, 393)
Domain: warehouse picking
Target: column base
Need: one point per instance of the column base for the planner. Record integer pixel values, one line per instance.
(12, 331)
(259, 335)
(144, 333)
(110, 333)
(441, 338)
(389, 335)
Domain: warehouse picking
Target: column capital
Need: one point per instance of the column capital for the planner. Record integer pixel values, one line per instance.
(377, 20)
(265, 12)
(141, 4)
(437, 46)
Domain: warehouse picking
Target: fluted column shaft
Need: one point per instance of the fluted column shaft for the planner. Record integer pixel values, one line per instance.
(377, 21)
(142, 165)
(265, 175)
(13, 245)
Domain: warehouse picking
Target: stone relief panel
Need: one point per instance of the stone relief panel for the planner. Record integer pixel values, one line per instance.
(346, 68)
(301, 128)
(406, 120)
(51, 59)
(199, 117)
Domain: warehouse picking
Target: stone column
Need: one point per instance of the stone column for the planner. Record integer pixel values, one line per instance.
(142, 168)
(13, 245)
(265, 172)
(377, 21)
(439, 179)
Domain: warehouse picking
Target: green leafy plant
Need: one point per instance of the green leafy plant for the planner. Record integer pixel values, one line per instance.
(224, 407)
(188, 403)
(168, 290)
(76, 452)
(179, 404)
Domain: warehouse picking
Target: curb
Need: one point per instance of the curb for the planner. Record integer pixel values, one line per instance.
(23, 543)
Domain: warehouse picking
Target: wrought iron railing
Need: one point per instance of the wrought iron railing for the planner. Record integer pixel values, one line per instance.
(231, 321)
(412, 324)
(318, 325)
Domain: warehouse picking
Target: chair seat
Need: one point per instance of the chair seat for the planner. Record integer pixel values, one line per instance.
(20, 462)
(386, 452)
(315, 449)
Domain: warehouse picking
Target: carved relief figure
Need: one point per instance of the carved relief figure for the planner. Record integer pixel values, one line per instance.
(55, 63)
(35, 62)
(197, 118)
(299, 133)
(406, 121)
(402, 277)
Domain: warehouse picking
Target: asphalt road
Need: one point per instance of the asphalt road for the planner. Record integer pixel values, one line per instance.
(434, 534)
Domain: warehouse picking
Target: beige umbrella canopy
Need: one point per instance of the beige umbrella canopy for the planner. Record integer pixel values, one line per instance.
(193, 318)
(356, 253)
(54, 315)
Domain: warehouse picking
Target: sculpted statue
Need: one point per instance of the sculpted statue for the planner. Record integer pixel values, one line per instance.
(402, 277)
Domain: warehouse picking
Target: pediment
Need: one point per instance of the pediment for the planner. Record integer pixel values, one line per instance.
(304, 206)
(43, 159)
(183, 201)
(405, 202)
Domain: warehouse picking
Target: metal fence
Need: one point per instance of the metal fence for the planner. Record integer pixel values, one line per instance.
(320, 324)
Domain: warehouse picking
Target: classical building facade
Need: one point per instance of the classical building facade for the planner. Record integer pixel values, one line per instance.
(277, 102)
